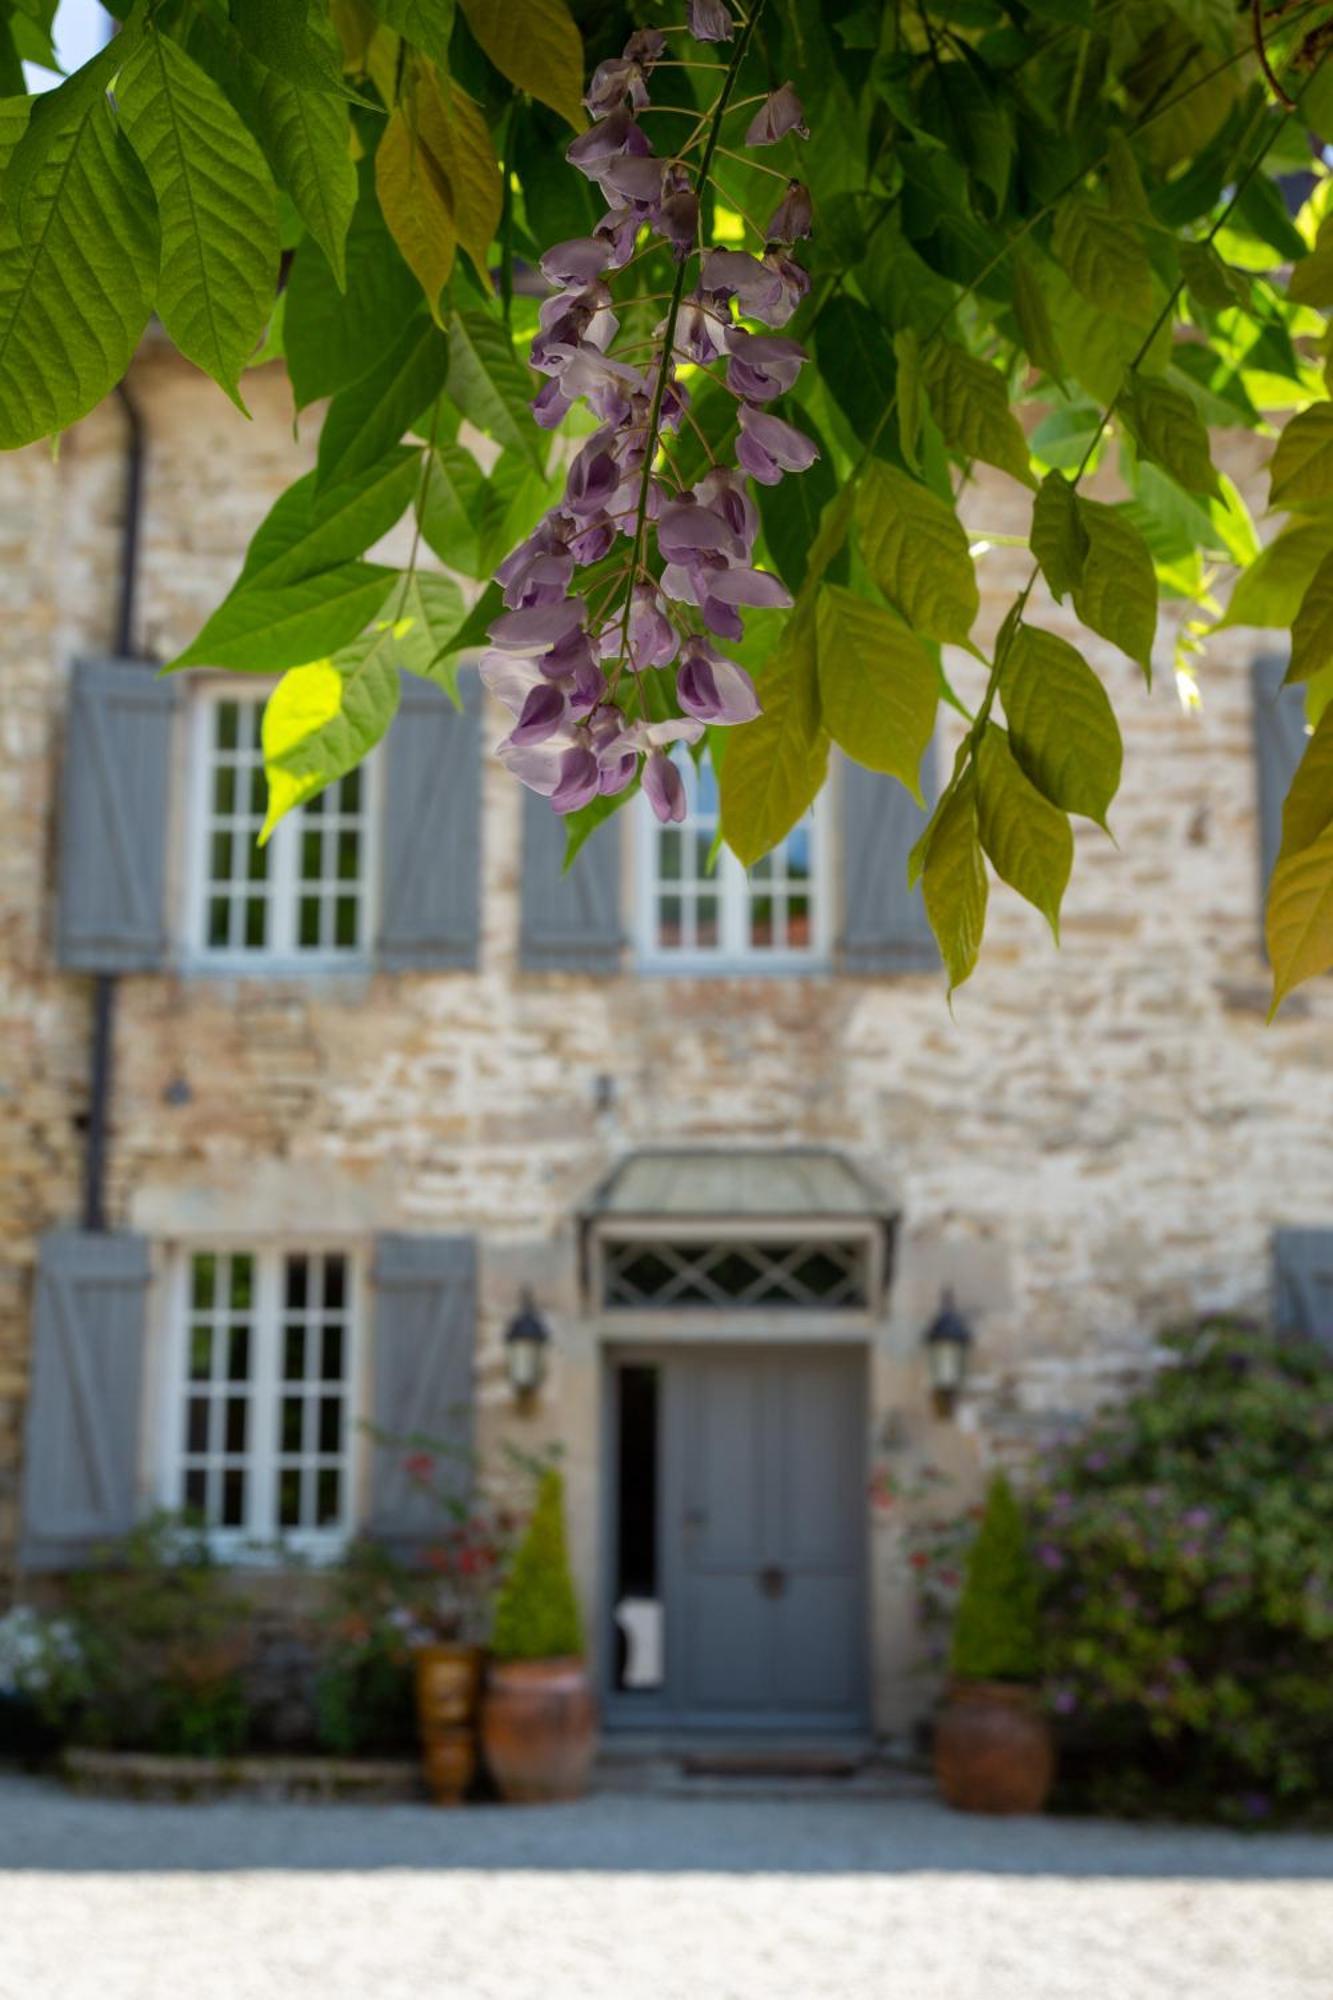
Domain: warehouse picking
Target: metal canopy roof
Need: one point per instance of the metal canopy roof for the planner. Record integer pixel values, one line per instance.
(713, 1183)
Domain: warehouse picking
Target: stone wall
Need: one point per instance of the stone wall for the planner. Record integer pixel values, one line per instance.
(1097, 1139)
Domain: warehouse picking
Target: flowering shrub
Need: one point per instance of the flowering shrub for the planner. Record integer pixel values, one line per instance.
(1186, 1547)
(363, 1685)
(582, 667)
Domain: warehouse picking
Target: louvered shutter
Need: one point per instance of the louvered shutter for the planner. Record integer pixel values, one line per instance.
(113, 818)
(569, 922)
(425, 1357)
(1279, 745)
(430, 896)
(81, 1449)
(884, 926)
(1303, 1282)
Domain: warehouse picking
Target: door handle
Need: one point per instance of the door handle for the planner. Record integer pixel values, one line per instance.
(773, 1581)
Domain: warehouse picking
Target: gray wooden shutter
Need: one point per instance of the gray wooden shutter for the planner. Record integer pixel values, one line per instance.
(81, 1451)
(425, 1352)
(1279, 745)
(1303, 1282)
(430, 897)
(569, 922)
(113, 818)
(884, 926)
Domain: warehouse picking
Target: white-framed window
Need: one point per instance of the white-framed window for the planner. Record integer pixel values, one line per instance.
(713, 915)
(261, 1398)
(304, 898)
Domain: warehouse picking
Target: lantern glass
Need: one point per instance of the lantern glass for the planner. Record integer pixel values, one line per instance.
(526, 1340)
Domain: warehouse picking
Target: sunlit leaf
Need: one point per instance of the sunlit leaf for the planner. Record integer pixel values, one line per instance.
(536, 44)
(878, 687)
(775, 765)
(322, 719)
(1026, 838)
(916, 550)
(1062, 728)
(1117, 595)
(953, 881)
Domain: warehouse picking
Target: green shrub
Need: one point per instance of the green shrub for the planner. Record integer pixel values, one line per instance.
(363, 1700)
(160, 1641)
(1186, 1548)
(996, 1636)
(537, 1613)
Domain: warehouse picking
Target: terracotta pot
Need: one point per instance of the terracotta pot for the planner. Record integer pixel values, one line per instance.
(539, 1729)
(993, 1748)
(448, 1683)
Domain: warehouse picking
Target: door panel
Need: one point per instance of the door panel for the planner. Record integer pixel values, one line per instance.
(764, 1517)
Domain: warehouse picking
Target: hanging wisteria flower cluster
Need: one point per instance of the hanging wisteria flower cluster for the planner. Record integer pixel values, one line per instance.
(574, 666)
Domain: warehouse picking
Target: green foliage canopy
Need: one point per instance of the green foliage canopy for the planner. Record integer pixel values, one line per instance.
(536, 1611)
(1059, 238)
(996, 1633)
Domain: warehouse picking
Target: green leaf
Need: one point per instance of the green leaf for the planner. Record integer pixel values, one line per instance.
(417, 204)
(1034, 320)
(427, 24)
(916, 550)
(367, 419)
(1312, 279)
(775, 765)
(428, 617)
(1212, 284)
(953, 881)
(856, 366)
(970, 403)
(1312, 631)
(1117, 596)
(217, 205)
(285, 37)
(1027, 839)
(878, 686)
(491, 386)
(1302, 468)
(306, 137)
(1104, 258)
(1123, 182)
(312, 527)
(1062, 728)
(536, 44)
(1308, 808)
(1168, 430)
(1299, 924)
(263, 628)
(454, 131)
(76, 290)
(323, 718)
(1269, 592)
(449, 509)
(911, 394)
(333, 338)
(1059, 539)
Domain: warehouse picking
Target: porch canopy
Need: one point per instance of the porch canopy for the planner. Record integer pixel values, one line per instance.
(722, 1227)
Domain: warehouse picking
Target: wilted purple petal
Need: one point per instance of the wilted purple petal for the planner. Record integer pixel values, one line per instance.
(685, 528)
(618, 229)
(781, 113)
(653, 639)
(537, 629)
(576, 262)
(611, 82)
(541, 715)
(699, 331)
(550, 406)
(608, 139)
(593, 477)
(509, 677)
(635, 180)
(657, 735)
(793, 282)
(664, 787)
(709, 21)
(793, 216)
(646, 46)
(677, 583)
(579, 780)
(762, 365)
(713, 687)
(593, 541)
(677, 218)
(535, 765)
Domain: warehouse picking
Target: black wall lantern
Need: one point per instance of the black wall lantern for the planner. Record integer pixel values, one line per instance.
(947, 1341)
(527, 1338)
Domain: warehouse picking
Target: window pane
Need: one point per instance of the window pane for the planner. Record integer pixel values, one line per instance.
(238, 1353)
(308, 934)
(258, 792)
(330, 1424)
(332, 1369)
(761, 921)
(224, 789)
(242, 1283)
(668, 854)
(298, 1282)
(203, 1277)
(256, 926)
(344, 932)
(195, 1492)
(293, 1354)
(292, 1409)
(228, 713)
(196, 1424)
(219, 923)
(349, 856)
(349, 800)
(669, 922)
(335, 1283)
(233, 1498)
(289, 1498)
(706, 924)
(219, 860)
(237, 1408)
(312, 850)
(327, 1505)
(201, 1353)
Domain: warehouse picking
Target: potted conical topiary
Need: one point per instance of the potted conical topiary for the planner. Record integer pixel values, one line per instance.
(538, 1715)
(993, 1747)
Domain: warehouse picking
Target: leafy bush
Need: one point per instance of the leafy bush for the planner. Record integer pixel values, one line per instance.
(1186, 1546)
(996, 1635)
(154, 1651)
(537, 1613)
(363, 1687)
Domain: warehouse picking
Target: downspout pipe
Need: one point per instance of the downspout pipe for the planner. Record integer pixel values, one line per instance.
(101, 1073)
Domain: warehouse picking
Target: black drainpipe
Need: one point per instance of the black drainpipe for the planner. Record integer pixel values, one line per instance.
(104, 983)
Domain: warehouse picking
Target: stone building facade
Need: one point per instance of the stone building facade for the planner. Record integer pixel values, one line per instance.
(1098, 1139)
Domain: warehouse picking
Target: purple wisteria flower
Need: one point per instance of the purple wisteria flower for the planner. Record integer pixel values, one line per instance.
(583, 661)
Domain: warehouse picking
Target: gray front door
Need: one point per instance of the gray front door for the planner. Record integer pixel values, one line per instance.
(764, 1532)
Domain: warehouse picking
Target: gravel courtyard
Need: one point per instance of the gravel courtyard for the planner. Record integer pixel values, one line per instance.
(646, 1899)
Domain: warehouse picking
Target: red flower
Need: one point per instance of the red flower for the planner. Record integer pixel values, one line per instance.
(918, 1559)
(419, 1465)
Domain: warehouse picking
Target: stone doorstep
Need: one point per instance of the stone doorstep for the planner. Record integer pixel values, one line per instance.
(732, 1768)
(132, 1774)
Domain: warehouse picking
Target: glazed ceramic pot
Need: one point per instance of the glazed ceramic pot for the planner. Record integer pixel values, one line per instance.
(539, 1729)
(993, 1748)
(448, 1683)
